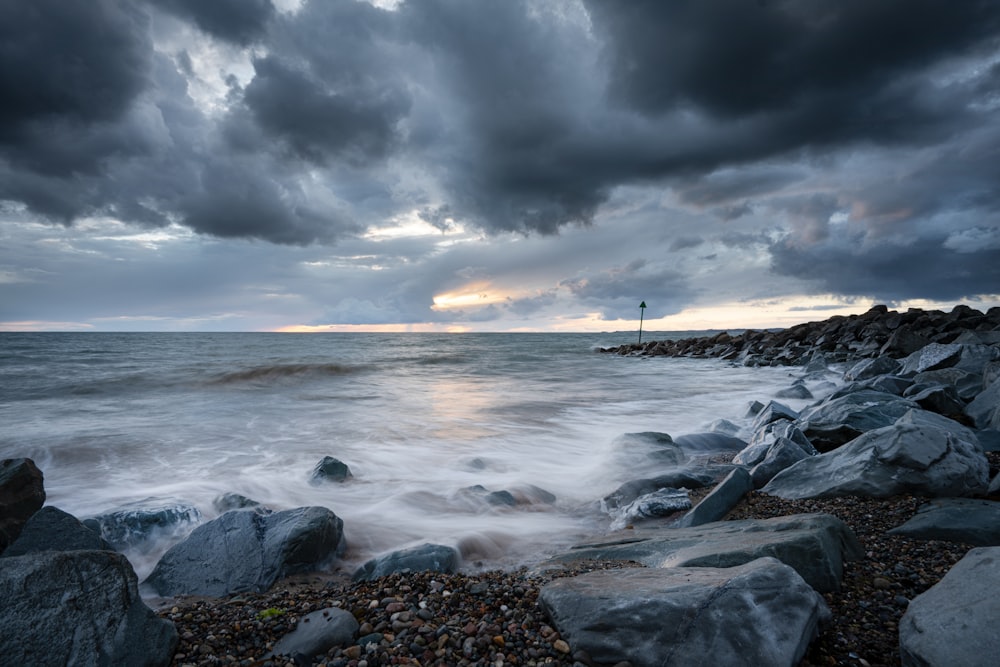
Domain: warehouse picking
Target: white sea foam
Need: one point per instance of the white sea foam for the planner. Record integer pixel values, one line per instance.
(420, 419)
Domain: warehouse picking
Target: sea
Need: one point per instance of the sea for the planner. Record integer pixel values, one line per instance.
(429, 425)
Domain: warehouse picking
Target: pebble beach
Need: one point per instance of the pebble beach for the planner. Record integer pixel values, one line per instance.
(493, 618)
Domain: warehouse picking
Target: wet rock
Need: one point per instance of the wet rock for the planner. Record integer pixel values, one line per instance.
(902, 458)
(247, 551)
(680, 479)
(658, 448)
(721, 439)
(799, 391)
(954, 622)
(424, 558)
(722, 498)
(51, 529)
(815, 545)
(839, 419)
(132, 524)
(316, 633)
(939, 398)
(773, 411)
(984, 410)
(22, 493)
(780, 455)
(759, 613)
(330, 469)
(870, 368)
(234, 501)
(931, 357)
(659, 503)
(963, 520)
(78, 608)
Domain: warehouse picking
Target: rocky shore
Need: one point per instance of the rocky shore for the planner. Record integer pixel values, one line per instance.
(861, 530)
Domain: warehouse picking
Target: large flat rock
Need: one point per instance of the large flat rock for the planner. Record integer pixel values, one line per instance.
(758, 613)
(906, 457)
(78, 608)
(964, 520)
(955, 621)
(815, 545)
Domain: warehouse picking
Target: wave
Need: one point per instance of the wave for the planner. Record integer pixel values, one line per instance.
(279, 372)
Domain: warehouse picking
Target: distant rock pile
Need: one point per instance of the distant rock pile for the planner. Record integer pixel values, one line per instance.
(878, 332)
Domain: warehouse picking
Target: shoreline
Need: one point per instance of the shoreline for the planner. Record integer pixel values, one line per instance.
(945, 393)
(863, 629)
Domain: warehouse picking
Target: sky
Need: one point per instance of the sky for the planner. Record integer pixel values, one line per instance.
(494, 165)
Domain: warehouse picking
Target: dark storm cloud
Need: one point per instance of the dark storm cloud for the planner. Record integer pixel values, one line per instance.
(69, 72)
(923, 269)
(734, 59)
(239, 21)
(512, 115)
(314, 121)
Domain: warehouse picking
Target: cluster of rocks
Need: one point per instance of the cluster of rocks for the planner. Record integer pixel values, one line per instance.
(842, 338)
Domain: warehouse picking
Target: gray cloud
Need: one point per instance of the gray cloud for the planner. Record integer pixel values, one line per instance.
(863, 135)
(239, 21)
(618, 292)
(889, 272)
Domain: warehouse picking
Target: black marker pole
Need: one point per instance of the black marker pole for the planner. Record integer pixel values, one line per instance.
(642, 312)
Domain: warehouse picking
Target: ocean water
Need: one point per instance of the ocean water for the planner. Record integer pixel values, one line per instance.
(113, 419)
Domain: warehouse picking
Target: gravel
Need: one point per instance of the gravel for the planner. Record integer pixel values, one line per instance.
(492, 618)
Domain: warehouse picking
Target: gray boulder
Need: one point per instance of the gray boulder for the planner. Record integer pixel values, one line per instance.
(234, 501)
(984, 410)
(639, 449)
(964, 520)
(932, 357)
(966, 383)
(815, 545)
(724, 426)
(797, 390)
(759, 613)
(902, 458)
(780, 455)
(22, 493)
(870, 368)
(723, 498)
(330, 469)
(714, 441)
(765, 437)
(247, 551)
(940, 398)
(425, 558)
(317, 633)
(890, 384)
(51, 529)
(955, 621)
(132, 524)
(837, 421)
(678, 479)
(772, 412)
(659, 503)
(78, 608)
(926, 418)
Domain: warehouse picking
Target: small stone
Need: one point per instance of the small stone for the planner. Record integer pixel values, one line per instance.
(560, 646)
(881, 583)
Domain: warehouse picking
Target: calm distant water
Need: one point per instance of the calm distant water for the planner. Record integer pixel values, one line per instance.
(117, 418)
